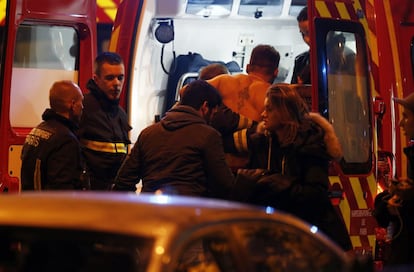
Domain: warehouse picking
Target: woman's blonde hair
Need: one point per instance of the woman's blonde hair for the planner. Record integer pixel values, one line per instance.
(292, 108)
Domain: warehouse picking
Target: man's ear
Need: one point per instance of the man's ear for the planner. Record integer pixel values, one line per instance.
(248, 68)
(204, 108)
(276, 72)
(72, 104)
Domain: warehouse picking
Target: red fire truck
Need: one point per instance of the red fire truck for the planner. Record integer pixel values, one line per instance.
(41, 42)
(165, 42)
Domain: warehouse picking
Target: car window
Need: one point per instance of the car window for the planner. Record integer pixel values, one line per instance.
(210, 253)
(34, 249)
(282, 247)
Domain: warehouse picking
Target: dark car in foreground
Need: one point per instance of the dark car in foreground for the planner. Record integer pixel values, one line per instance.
(127, 232)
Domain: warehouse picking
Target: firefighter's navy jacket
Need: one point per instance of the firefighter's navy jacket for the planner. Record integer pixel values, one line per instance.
(51, 155)
(104, 136)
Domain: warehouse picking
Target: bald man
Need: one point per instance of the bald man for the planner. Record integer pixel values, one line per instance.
(51, 155)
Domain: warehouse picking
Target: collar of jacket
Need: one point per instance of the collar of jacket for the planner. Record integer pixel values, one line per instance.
(180, 116)
(50, 114)
(316, 136)
(106, 103)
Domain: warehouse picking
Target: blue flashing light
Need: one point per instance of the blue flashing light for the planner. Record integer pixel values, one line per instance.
(314, 229)
(269, 210)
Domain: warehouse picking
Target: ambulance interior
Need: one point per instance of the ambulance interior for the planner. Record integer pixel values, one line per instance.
(211, 30)
(174, 39)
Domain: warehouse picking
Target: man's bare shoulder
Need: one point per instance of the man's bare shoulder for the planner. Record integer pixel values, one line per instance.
(259, 84)
(225, 79)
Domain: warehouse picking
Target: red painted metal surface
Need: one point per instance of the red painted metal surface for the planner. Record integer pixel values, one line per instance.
(79, 14)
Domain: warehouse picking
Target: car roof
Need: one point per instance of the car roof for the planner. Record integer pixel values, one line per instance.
(128, 213)
(160, 217)
(116, 212)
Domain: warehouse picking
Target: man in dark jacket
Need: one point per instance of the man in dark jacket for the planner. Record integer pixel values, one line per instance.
(301, 70)
(181, 154)
(104, 125)
(51, 155)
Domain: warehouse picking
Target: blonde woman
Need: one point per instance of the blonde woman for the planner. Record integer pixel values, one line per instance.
(297, 147)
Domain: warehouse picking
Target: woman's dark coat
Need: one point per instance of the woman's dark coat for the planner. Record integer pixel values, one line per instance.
(300, 181)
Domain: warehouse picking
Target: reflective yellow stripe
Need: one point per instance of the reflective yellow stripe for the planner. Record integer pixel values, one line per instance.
(322, 9)
(2, 10)
(244, 122)
(37, 176)
(240, 140)
(359, 194)
(356, 240)
(344, 203)
(343, 12)
(105, 146)
(114, 39)
(109, 7)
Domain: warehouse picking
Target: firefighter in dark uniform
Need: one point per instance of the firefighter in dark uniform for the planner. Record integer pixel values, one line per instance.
(104, 125)
(51, 154)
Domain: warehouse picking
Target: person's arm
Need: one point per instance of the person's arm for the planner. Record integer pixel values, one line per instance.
(219, 176)
(64, 167)
(240, 140)
(301, 69)
(234, 129)
(129, 173)
(227, 121)
(381, 212)
(296, 68)
(310, 187)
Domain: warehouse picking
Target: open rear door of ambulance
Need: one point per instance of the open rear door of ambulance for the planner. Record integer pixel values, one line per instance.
(342, 92)
(129, 38)
(42, 41)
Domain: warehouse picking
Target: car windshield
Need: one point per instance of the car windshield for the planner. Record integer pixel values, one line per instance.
(34, 249)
